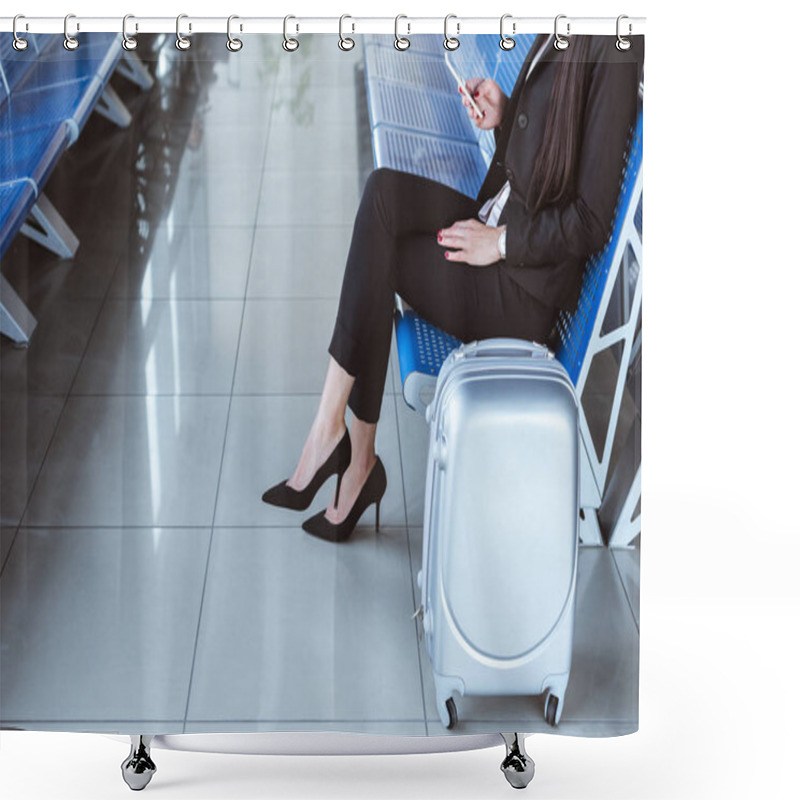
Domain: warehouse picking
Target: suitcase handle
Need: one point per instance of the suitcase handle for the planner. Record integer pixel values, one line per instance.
(504, 347)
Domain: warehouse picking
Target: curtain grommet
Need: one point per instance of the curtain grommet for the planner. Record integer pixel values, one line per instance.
(507, 42)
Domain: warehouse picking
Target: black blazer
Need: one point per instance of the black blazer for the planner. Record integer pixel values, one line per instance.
(546, 253)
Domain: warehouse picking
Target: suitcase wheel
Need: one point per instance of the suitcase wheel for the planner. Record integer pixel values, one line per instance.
(452, 714)
(551, 709)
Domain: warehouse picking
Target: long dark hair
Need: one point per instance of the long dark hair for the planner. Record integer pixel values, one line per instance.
(556, 166)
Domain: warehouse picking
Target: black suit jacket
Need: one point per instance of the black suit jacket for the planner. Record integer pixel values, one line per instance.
(546, 253)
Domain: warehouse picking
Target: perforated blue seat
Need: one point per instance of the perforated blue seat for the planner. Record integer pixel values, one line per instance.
(16, 200)
(95, 57)
(417, 108)
(575, 330)
(69, 102)
(31, 153)
(460, 165)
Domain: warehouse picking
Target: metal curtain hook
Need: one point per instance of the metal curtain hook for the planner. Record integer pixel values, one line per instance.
(19, 43)
(128, 42)
(70, 42)
(561, 43)
(345, 42)
(400, 42)
(623, 44)
(506, 42)
(289, 44)
(233, 44)
(451, 42)
(181, 42)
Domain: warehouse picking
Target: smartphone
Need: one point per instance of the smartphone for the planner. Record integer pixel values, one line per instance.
(462, 85)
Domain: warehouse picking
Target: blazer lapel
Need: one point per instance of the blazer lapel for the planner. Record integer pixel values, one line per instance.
(494, 177)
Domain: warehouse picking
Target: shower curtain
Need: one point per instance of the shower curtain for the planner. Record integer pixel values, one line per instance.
(180, 237)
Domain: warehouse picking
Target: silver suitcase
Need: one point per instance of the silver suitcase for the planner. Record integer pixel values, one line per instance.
(500, 541)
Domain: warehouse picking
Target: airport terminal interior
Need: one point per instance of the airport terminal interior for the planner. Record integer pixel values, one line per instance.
(173, 373)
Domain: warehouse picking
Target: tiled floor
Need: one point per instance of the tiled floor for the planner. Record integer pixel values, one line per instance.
(175, 370)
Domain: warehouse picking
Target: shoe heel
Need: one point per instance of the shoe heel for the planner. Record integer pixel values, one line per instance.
(338, 487)
(378, 515)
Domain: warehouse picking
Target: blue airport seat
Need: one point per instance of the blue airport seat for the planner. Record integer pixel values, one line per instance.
(460, 165)
(419, 109)
(31, 153)
(16, 200)
(96, 57)
(15, 66)
(69, 102)
(382, 64)
(61, 85)
(575, 330)
(46, 95)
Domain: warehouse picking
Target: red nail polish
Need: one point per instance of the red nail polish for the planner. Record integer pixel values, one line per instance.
(477, 94)
(447, 254)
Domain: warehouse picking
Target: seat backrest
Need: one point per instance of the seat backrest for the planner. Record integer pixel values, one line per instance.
(14, 65)
(575, 329)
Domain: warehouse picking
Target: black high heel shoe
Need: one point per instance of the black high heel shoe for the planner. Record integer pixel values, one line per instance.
(299, 500)
(371, 492)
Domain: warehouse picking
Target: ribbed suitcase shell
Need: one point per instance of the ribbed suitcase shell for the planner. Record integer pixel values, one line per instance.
(500, 538)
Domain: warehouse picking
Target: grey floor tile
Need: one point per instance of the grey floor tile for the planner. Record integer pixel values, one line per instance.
(7, 534)
(329, 198)
(188, 263)
(124, 461)
(27, 424)
(162, 347)
(264, 440)
(297, 262)
(322, 631)
(604, 682)
(206, 197)
(414, 433)
(601, 698)
(100, 624)
(49, 364)
(628, 563)
(38, 276)
(284, 346)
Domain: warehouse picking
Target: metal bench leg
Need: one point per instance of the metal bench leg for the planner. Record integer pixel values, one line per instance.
(517, 766)
(627, 527)
(131, 66)
(16, 321)
(46, 227)
(111, 107)
(138, 768)
(589, 528)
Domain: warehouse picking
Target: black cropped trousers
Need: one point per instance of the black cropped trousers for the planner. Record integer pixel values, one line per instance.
(394, 249)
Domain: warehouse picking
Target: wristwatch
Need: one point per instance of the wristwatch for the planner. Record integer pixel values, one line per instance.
(501, 243)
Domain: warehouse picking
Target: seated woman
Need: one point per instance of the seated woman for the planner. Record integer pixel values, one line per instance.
(499, 265)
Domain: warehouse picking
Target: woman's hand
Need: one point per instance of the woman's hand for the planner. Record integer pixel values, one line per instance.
(489, 98)
(471, 242)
